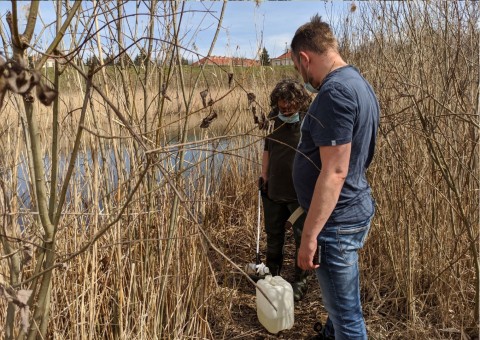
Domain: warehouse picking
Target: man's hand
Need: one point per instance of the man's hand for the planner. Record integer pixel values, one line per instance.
(306, 253)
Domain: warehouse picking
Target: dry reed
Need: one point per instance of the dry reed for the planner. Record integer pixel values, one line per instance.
(419, 277)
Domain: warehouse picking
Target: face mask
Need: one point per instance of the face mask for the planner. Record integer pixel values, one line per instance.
(309, 87)
(294, 118)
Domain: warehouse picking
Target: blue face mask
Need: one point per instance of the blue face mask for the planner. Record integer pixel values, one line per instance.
(294, 118)
(309, 87)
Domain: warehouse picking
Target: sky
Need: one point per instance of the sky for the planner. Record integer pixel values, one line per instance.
(247, 25)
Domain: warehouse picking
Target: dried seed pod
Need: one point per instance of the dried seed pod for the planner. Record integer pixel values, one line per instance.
(19, 79)
(46, 94)
(255, 117)
(259, 119)
(204, 95)
(164, 92)
(251, 98)
(208, 120)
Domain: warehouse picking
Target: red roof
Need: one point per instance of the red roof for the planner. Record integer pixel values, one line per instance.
(286, 55)
(226, 61)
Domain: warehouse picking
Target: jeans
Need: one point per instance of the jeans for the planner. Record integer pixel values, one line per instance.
(276, 215)
(339, 279)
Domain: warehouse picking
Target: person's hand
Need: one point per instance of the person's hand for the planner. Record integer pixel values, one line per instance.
(306, 253)
(262, 185)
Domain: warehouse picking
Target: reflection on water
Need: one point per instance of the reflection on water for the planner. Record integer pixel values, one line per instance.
(203, 164)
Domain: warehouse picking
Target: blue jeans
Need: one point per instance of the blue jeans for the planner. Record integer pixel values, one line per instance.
(339, 279)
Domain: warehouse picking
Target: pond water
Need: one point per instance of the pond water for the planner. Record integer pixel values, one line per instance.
(202, 163)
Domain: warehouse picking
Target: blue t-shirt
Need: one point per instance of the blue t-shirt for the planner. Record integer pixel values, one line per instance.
(344, 111)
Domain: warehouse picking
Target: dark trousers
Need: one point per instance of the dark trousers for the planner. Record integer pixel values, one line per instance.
(276, 215)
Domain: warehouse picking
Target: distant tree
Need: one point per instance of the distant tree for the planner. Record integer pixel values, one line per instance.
(92, 60)
(141, 59)
(184, 61)
(109, 59)
(264, 58)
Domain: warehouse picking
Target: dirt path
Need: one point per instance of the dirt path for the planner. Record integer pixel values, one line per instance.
(245, 324)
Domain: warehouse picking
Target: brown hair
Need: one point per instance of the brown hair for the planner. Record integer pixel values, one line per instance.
(315, 36)
(291, 91)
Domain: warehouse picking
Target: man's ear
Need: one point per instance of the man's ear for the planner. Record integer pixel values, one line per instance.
(303, 55)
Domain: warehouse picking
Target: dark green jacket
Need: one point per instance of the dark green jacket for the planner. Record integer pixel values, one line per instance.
(281, 144)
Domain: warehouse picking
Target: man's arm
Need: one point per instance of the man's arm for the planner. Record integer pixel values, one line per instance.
(335, 161)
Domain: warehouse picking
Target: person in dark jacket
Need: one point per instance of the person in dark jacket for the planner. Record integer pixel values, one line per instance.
(289, 101)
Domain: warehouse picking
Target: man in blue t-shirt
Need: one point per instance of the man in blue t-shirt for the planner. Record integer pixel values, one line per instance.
(336, 147)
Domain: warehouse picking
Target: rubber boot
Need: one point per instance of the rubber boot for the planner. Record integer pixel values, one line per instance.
(300, 285)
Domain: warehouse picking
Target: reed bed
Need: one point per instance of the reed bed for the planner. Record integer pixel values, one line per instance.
(149, 252)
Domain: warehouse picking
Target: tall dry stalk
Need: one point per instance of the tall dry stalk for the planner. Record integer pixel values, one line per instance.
(130, 262)
(19, 45)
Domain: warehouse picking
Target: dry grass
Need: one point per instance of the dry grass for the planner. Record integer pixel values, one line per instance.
(153, 275)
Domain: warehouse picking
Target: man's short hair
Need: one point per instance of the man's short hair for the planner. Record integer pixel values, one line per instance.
(315, 36)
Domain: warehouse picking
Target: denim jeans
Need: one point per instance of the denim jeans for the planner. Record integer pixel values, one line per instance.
(339, 279)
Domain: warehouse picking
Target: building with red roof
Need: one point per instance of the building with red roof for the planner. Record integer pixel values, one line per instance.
(284, 59)
(226, 61)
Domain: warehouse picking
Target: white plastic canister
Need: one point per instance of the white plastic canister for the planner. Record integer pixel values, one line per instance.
(280, 293)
